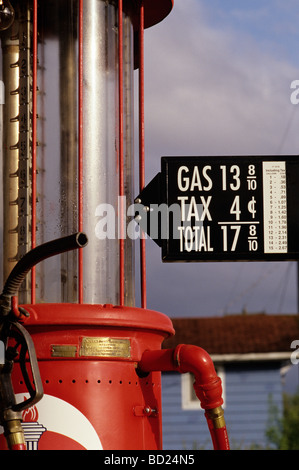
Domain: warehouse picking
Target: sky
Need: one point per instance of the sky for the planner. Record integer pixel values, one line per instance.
(217, 82)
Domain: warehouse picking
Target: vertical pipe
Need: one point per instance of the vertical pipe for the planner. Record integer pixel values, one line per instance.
(129, 259)
(67, 30)
(10, 57)
(141, 149)
(100, 149)
(121, 153)
(34, 138)
(80, 150)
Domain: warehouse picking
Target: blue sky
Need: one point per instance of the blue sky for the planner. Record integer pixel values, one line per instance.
(273, 23)
(217, 82)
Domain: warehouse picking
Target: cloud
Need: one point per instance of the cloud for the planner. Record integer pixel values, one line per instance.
(209, 91)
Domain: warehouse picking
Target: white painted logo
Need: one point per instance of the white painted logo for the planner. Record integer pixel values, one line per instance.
(53, 415)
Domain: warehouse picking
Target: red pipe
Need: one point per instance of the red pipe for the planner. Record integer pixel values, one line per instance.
(34, 138)
(141, 149)
(218, 434)
(121, 155)
(80, 150)
(207, 386)
(18, 447)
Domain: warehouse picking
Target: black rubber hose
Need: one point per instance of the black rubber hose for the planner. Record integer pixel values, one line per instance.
(41, 252)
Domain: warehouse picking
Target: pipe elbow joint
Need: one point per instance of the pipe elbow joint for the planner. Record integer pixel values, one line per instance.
(188, 358)
(193, 359)
(207, 385)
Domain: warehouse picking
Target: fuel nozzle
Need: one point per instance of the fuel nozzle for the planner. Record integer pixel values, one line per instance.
(13, 430)
(10, 417)
(18, 342)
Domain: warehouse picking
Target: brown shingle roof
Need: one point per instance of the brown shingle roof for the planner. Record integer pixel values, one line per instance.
(237, 334)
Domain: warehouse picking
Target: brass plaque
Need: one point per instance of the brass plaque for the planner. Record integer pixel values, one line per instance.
(105, 347)
(63, 350)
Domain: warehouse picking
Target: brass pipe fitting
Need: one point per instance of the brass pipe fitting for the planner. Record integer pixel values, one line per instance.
(216, 417)
(14, 433)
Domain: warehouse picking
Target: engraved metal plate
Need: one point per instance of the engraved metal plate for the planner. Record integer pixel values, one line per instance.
(105, 347)
(63, 350)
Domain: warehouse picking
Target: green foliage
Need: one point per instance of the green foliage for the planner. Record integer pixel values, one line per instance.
(290, 436)
(282, 431)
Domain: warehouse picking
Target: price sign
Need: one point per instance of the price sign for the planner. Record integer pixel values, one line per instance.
(224, 208)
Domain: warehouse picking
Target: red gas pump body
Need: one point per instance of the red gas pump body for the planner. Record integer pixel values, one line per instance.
(93, 396)
(100, 365)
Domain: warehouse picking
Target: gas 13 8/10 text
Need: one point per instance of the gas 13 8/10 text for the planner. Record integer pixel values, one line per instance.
(198, 179)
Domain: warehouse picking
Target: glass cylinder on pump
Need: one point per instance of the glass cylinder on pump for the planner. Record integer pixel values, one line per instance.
(65, 29)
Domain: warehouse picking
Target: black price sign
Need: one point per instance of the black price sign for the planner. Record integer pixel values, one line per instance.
(223, 208)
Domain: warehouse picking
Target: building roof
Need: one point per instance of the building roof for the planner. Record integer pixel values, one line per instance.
(237, 334)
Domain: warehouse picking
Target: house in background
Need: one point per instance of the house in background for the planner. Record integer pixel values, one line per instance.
(251, 353)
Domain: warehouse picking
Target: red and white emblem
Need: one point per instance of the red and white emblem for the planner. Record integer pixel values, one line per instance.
(54, 424)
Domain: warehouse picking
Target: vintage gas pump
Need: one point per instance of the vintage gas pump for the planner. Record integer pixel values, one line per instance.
(82, 366)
